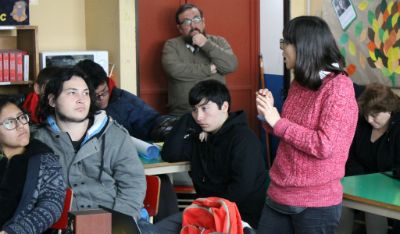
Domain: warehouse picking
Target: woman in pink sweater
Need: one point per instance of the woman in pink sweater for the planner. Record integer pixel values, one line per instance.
(316, 128)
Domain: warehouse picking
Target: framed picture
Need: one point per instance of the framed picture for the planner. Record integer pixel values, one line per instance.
(345, 12)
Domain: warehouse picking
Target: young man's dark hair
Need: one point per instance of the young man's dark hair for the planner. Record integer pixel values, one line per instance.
(94, 71)
(55, 87)
(185, 7)
(209, 90)
(46, 74)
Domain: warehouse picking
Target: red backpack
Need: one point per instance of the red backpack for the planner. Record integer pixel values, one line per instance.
(210, 215)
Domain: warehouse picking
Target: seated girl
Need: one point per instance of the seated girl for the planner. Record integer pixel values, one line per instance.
(32, 188)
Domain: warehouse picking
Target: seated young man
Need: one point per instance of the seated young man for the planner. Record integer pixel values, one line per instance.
(98, 157)
(140, 119)
(225, 155)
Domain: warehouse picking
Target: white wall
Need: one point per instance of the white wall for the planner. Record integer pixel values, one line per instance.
(271, 26)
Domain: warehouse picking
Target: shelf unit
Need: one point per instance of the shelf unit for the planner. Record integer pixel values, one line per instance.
(22, 38)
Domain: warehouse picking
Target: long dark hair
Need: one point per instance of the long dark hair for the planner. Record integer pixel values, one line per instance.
(55, 87)
(316, 50)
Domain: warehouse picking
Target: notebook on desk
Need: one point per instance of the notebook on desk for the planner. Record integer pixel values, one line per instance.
(122, 223)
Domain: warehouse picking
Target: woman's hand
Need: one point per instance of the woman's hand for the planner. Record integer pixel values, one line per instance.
(267, 94)
(265, 107)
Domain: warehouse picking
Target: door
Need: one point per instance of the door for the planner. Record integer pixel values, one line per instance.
(235, 20)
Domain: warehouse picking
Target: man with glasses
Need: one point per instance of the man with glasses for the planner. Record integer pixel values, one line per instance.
(192, 57)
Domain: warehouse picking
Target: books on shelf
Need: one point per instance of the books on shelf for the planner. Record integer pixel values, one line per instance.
(14, 66)
(6, 65)
(25, 72)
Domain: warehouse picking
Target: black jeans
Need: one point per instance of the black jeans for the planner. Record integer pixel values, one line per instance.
(314, 220)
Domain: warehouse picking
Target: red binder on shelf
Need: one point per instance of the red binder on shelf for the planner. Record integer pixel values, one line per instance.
(12, 71)
(19, 64)
(1, 67)
(6, 66)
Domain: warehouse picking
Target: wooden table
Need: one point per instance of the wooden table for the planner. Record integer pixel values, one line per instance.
(374, 193)
(161, 167)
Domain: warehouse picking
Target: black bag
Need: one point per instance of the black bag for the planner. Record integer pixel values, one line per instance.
(161, 131)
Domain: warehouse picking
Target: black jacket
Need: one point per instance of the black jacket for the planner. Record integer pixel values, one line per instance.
(229, 165)
(361, 161)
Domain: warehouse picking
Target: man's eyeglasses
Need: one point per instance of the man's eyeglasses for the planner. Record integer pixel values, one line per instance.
(195, 20)
(12, 123)
(283, 43)
(104, 93)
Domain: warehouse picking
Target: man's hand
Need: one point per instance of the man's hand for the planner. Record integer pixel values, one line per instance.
(199, 40)
(213, 71)
(202, 137)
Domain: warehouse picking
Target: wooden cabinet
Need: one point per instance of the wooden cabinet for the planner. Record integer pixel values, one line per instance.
(21, 38)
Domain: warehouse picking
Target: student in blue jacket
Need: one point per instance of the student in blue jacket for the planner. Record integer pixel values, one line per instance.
(32, 189)
(140, 119)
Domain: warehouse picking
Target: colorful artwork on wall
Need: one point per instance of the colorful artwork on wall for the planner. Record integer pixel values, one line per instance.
(371, 44)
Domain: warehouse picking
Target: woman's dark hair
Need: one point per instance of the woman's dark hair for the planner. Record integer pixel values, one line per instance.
(94, 71)
(316, 50)
(4, 101)
(378, 98)
(55, 87)
(185, 7)
(210, 90)
(46, 74)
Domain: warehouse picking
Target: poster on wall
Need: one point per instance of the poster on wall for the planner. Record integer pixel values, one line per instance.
(344, 11)
(371, 43)
(14, 12)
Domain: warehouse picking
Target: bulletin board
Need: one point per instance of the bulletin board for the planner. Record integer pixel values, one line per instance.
(371, 43)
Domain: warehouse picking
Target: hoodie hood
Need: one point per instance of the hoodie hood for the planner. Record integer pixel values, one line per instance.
(99, 125)
(235, 118)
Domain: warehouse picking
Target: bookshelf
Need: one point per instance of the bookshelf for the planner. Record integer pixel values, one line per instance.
(21, 38)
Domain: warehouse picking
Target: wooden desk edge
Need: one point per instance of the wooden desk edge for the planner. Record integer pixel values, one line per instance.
(166, 168)
(164, 164)
(371, 202)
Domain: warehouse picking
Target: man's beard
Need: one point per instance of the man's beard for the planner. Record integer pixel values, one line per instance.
(189, 39)
(65, 118)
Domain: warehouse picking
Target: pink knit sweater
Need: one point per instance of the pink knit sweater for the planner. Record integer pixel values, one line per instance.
(315, 131)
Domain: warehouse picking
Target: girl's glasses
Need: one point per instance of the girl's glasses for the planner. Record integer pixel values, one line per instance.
(12, 123)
